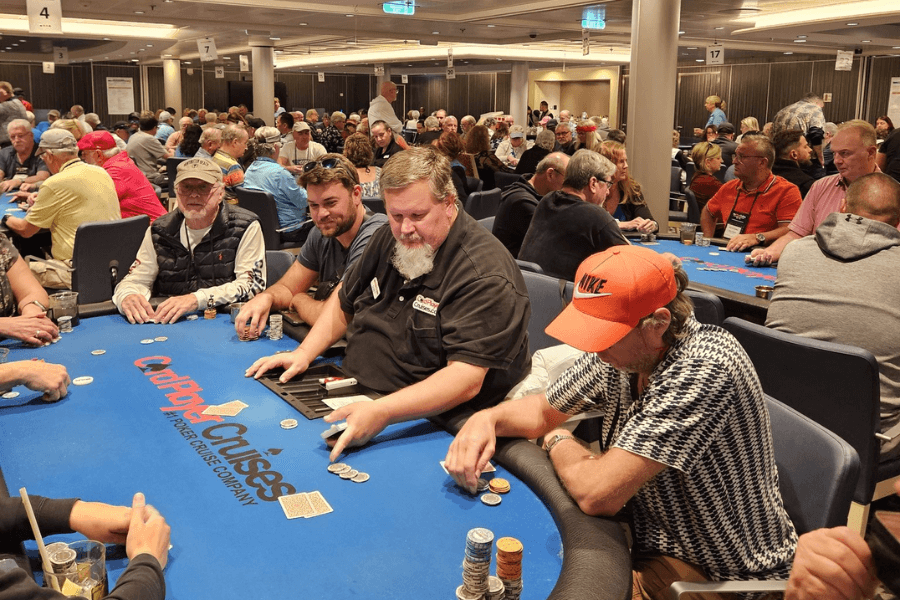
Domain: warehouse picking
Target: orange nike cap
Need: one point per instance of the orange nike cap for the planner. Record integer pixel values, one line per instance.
(614, 290)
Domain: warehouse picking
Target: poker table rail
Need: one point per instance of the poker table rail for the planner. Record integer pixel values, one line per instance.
(596, 560)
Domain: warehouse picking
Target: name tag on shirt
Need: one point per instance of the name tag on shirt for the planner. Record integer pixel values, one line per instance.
(376, 290)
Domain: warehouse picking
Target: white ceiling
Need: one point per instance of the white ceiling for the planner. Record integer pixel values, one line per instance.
(344, 36)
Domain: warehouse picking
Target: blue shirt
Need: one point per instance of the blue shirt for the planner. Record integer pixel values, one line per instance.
(716, 117)
(290, 199)
(164, 131)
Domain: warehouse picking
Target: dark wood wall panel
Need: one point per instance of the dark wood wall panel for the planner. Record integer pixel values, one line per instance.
(331, 95)
(748, 94)
(156, 91)
(692, 90)
(300, 90)
(482, 87)
(416, 94)
(503, 90)
(191, 88)
(880, 72)
(787, 84)
(360, 91)
(458, 97)
(842, 87)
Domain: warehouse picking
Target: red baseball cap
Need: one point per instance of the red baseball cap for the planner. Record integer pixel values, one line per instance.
(614, 290)
(96, 140)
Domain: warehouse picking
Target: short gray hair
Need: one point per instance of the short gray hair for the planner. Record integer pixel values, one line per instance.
(554, 161)
(338, 116)
(546, 139)
(16, 123)
(419, 164)
(431, 122)
(92, 119)
(584, 165)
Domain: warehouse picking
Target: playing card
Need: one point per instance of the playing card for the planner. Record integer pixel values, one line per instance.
(488, 468)
(320, 506)
(336, 403)
(296, 505)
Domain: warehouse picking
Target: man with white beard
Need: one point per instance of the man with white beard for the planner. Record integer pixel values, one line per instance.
(435, 311)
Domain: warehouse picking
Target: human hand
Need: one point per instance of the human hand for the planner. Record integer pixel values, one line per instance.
(49, 378)
(762, 257)
(26, 197)
(364, 421)
(102, 522)
(26, 187)
(8, 184)
(35, 330)
(136, 309)
(173, 308)
(645, 225)
(741, 242)
(471, 449)
(148, 532)
(257, 311)
(831, 564)
(293, 362)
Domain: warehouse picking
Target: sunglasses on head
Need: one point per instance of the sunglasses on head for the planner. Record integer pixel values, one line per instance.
(328, 163)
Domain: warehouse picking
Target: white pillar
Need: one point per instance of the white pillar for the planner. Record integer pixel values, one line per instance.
(518, 93)
(262, 66)
(172, 85)
(654, 61)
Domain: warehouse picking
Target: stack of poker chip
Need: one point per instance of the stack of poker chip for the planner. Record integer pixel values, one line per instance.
(476, 565)
(509, 566)
(276, 327)
(249, 334)
(496, 589)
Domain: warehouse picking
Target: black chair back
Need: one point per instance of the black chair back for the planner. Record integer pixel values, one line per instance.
(693, 209)
(817, 470)
(675, 184)
(263, 204)
(720, 174)
(277, 264)
(504, 180)
(708, 308)
(548, 298)
(525, 265)
(835, 385)
(97, 245)
(483, 204)
(487, 223)
(172, 170)
(376, 205)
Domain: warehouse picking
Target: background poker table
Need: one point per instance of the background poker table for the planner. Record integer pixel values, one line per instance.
(10, 207)
(401, 534)
(736, 287)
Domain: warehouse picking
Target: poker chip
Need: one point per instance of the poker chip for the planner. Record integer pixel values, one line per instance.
(98, 352)
(476, 564)
(193, 317)
(289, 423)
(55, 340)
(83, 380)
(491, 499)
(509, 566)
(338, 468)
(148, 341)
(482, 485)
(360, 478)
(713, 253)
(11, 395)
(161, 338)
(349, 474)
(499, 485)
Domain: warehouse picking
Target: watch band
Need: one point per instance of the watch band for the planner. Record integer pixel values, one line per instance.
(555, 440)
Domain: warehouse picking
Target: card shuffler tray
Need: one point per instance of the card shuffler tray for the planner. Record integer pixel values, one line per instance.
(306, 394)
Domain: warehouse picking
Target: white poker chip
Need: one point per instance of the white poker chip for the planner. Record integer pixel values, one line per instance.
(98, 352)
(192, 317)
(491, 499)
(360, 478)
(289, 423)
(713, 253)
(83, 380)
(161, 338)
(55, 340)
(148, 341)
(11, 395)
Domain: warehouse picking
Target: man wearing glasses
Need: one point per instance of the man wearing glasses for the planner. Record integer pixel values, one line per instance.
(343, 228)
(205, 251)
(757, 206)
(564, 139)
(571, 224)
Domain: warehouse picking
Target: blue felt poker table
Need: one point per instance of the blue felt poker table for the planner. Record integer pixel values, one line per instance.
(732, 280)
(10, 207)
(139, 427)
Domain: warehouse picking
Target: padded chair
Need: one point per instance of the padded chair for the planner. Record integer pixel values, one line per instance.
(376, 205)
(684, 208)
(483, 204)
(720, 174)
(488, 223)
(817, 472)
(675, 184)
(833, 384)
(524, 265)
(97, 245)
(474, 184)
(689, 172)
(277, 264)
(263, 204)
(410, 135)
(503, 180)
(548, 297)
(172, 170)
(708, 308)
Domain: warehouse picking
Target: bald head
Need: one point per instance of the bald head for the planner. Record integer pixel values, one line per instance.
(389, 90)
(875, 196)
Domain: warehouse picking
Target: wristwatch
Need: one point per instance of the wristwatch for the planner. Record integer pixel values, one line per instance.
(4, 220)
(761, 238)
(548, 446)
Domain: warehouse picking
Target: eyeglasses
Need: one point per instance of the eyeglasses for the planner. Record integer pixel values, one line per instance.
(599, 179)
(743, 157)
(203, 190)
(328, 163)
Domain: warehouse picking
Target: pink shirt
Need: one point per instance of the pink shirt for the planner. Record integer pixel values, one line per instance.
(136, 195)
(823, 198)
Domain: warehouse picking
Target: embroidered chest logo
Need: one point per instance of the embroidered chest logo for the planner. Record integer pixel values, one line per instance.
(426, 305)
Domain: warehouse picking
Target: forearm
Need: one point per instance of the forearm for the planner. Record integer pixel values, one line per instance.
(21, 227)
(39, 176)
(328, 329)
(444, 389)
(576, 468)
(777, 233)
(142, 580)
(308, 308)
(528, 417)
(707, 223)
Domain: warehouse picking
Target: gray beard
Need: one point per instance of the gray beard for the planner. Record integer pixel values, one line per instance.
(413, 262)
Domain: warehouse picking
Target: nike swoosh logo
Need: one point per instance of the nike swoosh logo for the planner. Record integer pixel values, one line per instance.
(583, 295)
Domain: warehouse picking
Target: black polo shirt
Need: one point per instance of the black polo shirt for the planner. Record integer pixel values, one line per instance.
(514, 215)
(383, 154)
(10, 165)
(473, 307)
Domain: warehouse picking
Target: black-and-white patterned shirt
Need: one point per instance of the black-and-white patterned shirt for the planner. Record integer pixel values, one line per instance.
(703, 415)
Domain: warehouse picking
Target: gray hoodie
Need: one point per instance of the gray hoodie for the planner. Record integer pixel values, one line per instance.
(843, 285)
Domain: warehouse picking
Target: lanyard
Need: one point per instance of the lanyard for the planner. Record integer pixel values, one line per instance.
(755, 197)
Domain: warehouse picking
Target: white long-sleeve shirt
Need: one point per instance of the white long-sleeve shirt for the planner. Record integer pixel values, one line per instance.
(249, 269)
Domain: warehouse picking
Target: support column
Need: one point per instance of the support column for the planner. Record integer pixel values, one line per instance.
(654, 61)
(262, 66)
(518, 93)
(172, 85)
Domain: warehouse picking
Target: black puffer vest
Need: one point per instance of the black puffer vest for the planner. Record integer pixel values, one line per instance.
(213, 258)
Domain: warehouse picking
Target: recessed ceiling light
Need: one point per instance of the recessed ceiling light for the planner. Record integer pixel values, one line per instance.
(23, 41)
(680, 33)
(187, 62)
(896, 48)
(408, 65)
(491, 25)
(852, 24)
(801, 36)
(720, 28)
(275, 39)
(304, 24)
(105, 39)
(149, 45)
(140, 50)
(692, 48)
(788, 52)
(866, 42)
(348, 15)
(435, 32)
(799, 41)
(14, 44)
(699, 60)
(138, 12)
(226, 58)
